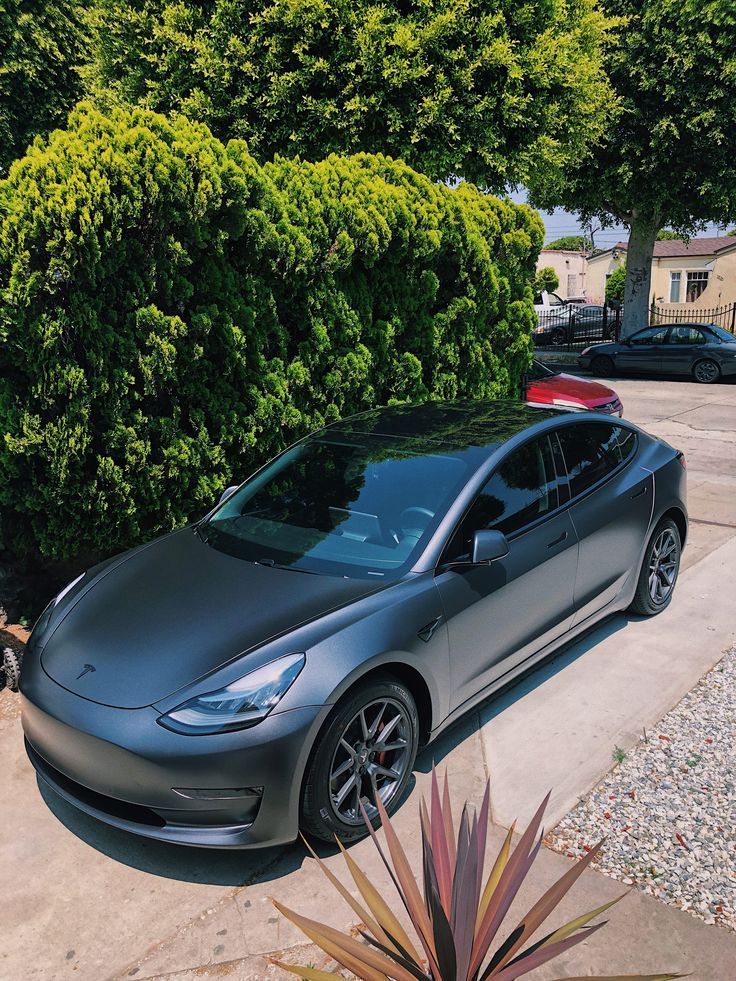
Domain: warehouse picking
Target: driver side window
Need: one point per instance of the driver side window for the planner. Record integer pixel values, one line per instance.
(523, 488)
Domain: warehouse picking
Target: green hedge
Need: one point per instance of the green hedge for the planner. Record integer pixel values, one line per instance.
(173, 313)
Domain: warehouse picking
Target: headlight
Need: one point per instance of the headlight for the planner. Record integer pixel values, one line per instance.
(43, 621)
(241, 704)
(585, 351)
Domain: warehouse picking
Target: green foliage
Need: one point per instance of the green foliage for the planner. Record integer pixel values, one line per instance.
(615, 285)
(668, 159)
(172, 314)
(669, 156)
(731, 233)
(43, 42)
(576, 243)
(546, 279)
(496, 93)
(667, 235)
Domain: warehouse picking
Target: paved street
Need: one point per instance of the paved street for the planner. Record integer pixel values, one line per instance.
(78, 900)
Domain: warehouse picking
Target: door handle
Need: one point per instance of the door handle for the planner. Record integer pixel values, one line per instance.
(639, 493)
(557, 541)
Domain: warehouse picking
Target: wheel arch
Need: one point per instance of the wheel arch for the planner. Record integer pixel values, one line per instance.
(678, 516)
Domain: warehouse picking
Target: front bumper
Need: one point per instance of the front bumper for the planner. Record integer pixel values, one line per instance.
(122, 768)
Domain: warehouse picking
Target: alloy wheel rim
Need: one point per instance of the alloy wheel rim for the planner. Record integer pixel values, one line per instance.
(371, 759)
(663, 562)
(706, 370)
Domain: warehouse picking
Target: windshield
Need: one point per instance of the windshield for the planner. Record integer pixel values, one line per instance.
(344, 504)
(538, 371)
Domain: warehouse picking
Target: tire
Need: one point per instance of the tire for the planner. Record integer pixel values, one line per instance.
(323, 816)
(558, 337)
(602, 365)
(706, 371)
(665, 539)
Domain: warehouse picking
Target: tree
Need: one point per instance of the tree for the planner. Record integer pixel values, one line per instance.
(668, 159)
(575, 243)
(43, 44)
(667, 235)
(495, 93)
(616, 284)
(731, 233)
(546, 280)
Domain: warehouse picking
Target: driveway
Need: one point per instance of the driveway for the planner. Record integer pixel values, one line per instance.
(79, 900)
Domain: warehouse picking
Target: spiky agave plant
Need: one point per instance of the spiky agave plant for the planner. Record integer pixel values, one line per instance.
(458, 917)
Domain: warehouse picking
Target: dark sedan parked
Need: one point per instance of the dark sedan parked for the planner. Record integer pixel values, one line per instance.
(573, 324)
(276, 665)
(703, 351)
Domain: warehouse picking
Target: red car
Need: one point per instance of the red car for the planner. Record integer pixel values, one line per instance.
(548, 387)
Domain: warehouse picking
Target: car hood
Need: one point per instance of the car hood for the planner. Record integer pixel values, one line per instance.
(570, 387)
(167, 614)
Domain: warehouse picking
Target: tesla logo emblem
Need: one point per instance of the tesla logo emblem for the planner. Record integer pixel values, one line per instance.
(87, 669)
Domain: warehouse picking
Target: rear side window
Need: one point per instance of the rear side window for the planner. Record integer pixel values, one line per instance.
(523, 488)
(592, 450)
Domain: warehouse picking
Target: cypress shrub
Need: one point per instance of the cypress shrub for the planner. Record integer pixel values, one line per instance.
(173, 313)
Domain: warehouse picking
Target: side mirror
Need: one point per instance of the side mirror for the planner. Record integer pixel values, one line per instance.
(489, 546)
(228, 492)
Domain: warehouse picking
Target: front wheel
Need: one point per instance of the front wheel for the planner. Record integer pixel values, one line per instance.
(706, 371)
(659, 570)
(559, 337)
(366, 749)
(602, 366)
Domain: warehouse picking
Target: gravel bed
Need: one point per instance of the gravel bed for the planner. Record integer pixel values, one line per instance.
(668, 811)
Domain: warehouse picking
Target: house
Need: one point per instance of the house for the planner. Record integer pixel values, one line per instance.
(570, 267)
(700, 273)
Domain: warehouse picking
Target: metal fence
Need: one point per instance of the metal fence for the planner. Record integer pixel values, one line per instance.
(571, 327)
(720, 316)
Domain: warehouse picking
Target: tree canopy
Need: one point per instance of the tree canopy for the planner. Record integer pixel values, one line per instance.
(546, 280)
(668, 161)
(496, 93)
(615, 284)
(43, 43)
(575, 243)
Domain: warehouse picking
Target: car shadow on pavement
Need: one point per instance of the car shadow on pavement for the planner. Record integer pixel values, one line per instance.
(240, 868)
(521, 686)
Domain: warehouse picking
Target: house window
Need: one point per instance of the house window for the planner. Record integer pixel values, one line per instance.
(696, 283)
(572, 284)
(675, 278)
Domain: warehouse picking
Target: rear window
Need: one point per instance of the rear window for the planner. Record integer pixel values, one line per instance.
(592, 450)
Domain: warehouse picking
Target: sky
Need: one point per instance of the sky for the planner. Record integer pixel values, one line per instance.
(560, 222)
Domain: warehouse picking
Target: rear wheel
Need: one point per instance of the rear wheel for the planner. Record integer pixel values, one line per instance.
(659, 570)
(706, 371)
(602, 365)
(558, 336)
(367, 749)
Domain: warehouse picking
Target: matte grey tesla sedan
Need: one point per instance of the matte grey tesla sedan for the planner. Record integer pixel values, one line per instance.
(276, 665)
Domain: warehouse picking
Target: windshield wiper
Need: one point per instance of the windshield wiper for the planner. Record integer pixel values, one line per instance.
(200, 534)
(272, 564)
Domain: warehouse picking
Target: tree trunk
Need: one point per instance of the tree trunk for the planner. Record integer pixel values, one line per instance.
(642, 236)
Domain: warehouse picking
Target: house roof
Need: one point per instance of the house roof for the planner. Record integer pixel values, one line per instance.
(696, 246)
(671, 248)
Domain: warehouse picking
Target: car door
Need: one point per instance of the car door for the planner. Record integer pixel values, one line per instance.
(611, 500)
(497, 615)
(643, 351)
(589, 323)
(684, 345)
